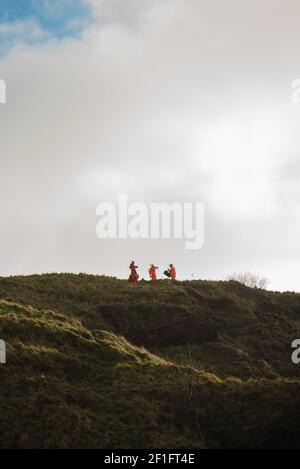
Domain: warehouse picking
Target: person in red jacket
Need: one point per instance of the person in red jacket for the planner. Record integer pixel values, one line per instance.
(134, 276)
(152, 272)
(172, 271)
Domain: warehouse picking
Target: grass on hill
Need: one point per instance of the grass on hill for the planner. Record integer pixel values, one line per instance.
(94, 363)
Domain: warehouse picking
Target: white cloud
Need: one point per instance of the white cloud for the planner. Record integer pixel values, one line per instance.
(22, 31)
(164, 100)
(28, 27)
(16, 33)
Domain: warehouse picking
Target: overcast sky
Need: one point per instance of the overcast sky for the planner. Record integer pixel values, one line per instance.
(162, 100)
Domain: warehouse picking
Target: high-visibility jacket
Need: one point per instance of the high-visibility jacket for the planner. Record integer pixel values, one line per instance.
(152, 272)
(173, 273)
(134, 276)
(133, 268)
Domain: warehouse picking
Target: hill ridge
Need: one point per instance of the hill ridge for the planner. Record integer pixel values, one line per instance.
(95, 363)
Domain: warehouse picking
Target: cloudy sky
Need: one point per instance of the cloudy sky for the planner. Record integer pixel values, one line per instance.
(162, 100)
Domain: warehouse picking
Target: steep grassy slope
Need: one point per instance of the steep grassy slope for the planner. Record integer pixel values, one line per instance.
(95, 363)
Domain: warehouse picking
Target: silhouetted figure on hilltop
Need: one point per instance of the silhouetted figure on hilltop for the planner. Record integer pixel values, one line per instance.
(134, 276)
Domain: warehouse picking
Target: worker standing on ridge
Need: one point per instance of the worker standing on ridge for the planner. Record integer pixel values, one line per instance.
(172, 271)
(134, 276)
(152, 272)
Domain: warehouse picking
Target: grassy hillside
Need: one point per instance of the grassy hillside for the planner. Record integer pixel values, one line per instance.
(92, 362)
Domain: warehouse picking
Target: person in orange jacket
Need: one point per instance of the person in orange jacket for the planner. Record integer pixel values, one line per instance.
(152, 272)
(172, 271)
(134, 276)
